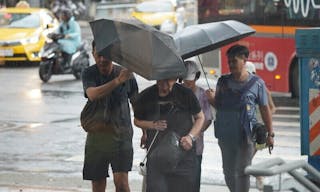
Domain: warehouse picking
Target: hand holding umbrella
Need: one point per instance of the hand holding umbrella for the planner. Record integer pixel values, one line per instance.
(124, 75)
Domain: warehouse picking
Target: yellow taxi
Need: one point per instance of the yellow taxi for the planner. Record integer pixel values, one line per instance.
(157, 13)
(23, 32)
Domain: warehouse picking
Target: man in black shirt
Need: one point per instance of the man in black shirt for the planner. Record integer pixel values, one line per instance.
(168, 106)
(114, 85)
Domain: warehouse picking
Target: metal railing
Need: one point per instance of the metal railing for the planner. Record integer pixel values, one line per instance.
(278, 166)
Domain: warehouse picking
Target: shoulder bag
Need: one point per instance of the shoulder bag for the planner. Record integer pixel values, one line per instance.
(167, 153)
(94, 116)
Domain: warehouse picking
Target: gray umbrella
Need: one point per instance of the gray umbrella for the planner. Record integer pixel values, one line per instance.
(138, 47)
(197, 39)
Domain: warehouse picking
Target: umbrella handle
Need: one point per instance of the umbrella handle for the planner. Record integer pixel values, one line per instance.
(205, 74)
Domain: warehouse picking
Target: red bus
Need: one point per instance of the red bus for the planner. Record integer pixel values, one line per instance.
(272, 47)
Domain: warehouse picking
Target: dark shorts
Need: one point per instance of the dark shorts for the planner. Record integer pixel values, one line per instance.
(96, 162)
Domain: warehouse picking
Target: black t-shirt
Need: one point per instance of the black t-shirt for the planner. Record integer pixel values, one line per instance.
(177, 108)
(117, 106)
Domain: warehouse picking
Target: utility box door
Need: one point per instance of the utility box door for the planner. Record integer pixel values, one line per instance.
(308, 52)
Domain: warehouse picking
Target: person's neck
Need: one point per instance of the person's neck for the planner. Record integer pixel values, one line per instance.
(194, 88)
(110, 69)
(240, 76)
(107, 71)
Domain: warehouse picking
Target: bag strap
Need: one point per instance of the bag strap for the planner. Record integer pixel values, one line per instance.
(154, 138)
(224, 81)
(248, 85)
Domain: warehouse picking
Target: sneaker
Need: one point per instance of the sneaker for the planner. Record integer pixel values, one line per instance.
(259, 182)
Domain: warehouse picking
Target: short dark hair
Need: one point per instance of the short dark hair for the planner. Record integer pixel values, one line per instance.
(238, 50)
(106, 53)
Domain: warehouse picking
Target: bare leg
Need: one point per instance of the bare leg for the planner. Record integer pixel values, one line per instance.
(121, 182)
(99, 186)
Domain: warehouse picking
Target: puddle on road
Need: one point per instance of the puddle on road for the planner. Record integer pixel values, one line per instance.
(60, 93)
(9, 126)
(4, 125)
(26, 126)
(65, 120)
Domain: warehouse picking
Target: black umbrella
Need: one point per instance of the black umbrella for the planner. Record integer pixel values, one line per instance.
(197, 39)
(138, 47)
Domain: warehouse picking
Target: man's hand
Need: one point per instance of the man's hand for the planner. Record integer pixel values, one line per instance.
(124, 75)
(160, 125)
(143, 141)
(270, 142)
(186, 142)
(210, 93)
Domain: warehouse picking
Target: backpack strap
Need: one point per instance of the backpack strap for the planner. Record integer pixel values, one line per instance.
(244, 115)
(244, 89)
(224, 82)
(248, 85)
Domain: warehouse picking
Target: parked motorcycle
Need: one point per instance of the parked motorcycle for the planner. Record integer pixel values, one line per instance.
(53, 62)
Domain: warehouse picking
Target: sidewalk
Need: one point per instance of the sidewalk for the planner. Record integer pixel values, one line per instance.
(204, 188)
(42, 182)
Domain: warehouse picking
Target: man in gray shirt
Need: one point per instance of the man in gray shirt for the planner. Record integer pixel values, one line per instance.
(236, 116)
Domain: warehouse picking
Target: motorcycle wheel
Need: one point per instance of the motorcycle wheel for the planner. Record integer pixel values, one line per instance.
(45, 71)
(78, 69)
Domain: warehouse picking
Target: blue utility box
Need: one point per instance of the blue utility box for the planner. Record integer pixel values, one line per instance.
(308, 52)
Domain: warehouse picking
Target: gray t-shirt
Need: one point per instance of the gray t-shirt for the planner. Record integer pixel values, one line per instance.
(229, 119)
(257, 94)
(206, 108)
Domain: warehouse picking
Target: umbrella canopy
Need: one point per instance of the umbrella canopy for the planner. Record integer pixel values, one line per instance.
(138, 47)
(197, 39)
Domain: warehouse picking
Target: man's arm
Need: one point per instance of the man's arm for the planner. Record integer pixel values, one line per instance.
(187, 141)
(207, 111)
(210, 93)
(267, 119)
(197, 125)
(271, 103)
(143, 139)
(156, 125)
(95, 93)
(206, 124)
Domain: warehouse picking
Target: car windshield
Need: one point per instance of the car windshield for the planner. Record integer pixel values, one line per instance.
(19, 20)
(154, 7)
